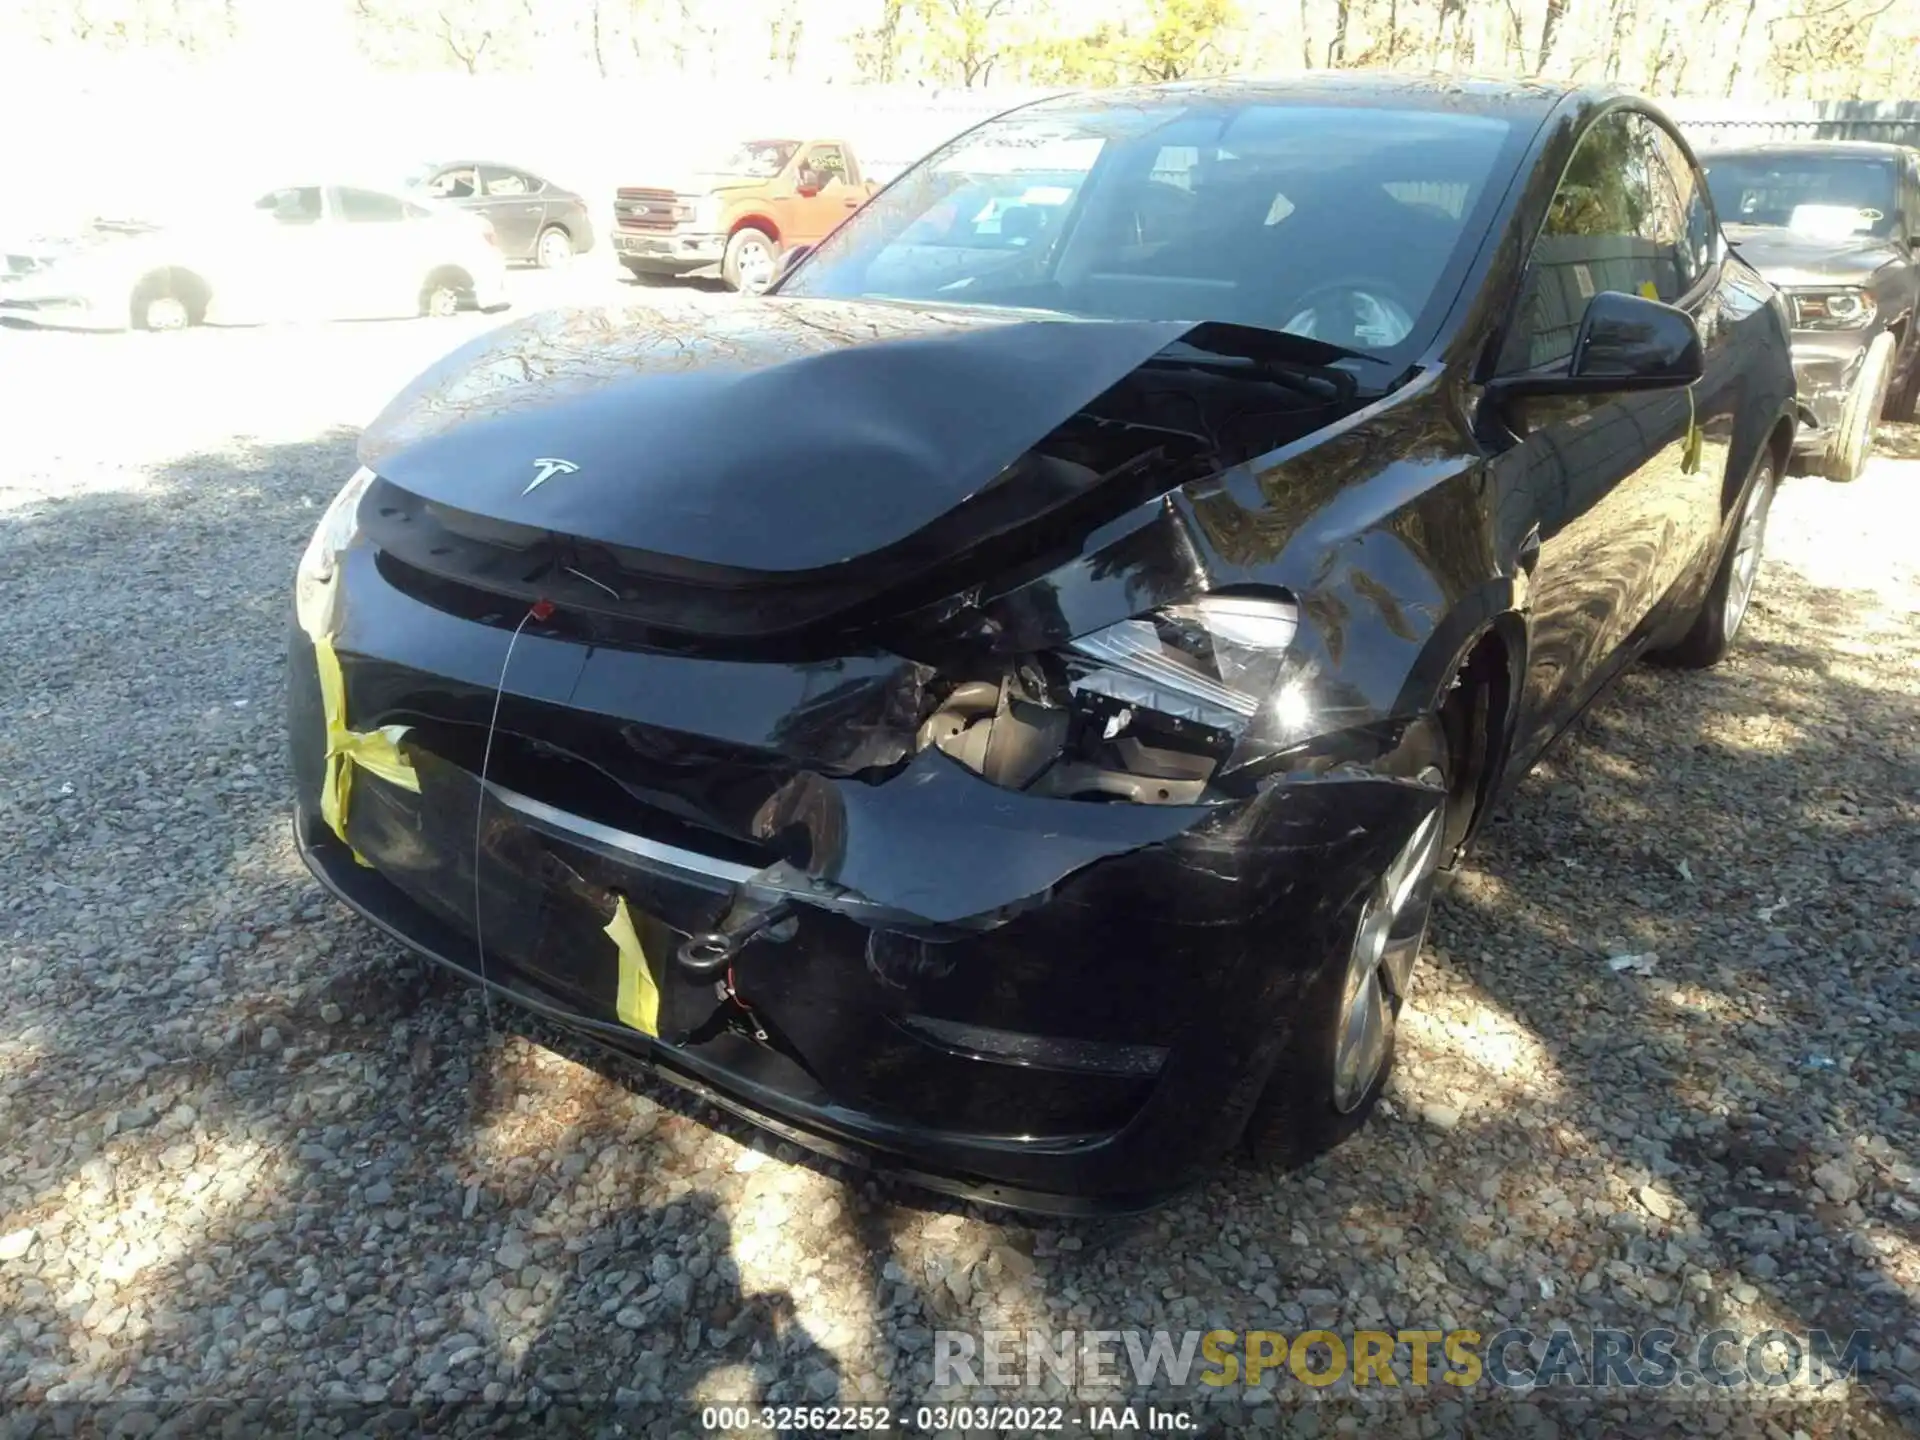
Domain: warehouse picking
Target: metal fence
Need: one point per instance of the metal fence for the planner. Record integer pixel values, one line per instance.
(1711, 126)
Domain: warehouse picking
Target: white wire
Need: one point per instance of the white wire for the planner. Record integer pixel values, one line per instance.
(479, 816)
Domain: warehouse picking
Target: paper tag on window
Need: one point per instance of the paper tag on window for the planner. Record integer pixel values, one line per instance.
(1583, 280)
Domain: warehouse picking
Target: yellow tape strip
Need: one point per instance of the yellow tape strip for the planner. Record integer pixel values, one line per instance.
(638, 1003)
(1690, 453)
(376, 751)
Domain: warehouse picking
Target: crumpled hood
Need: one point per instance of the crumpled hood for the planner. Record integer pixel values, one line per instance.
(79, 242)
(783, 435)
(1788, 257)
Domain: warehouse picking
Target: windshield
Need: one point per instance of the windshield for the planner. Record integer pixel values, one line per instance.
(1817, 194)
(1333, 222)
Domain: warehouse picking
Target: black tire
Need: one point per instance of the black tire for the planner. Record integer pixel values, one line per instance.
(1714, 628)
(1904, 403)
(166, 301)
(1297, 1117)
(744, 249)
(553, 249)
(444, 293)
(1853, 436)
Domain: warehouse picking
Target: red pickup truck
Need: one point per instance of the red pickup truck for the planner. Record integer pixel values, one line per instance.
(734, 216)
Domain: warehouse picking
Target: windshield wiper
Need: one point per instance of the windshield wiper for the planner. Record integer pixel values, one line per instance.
(1252, 342)
(1312, 366)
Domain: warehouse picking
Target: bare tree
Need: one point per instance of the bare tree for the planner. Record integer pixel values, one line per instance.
(966, 37)
(1550, 23)
(1721, 47)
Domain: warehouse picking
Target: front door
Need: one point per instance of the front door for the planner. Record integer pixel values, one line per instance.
(1619, 485)
(511, 201)
(825, 194)
(281, 269)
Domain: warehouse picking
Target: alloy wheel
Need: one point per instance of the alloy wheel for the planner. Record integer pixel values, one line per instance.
(166, 312)
(756, 266)
(1393, 926)
(443, 301)
(1748, 543)
(555, 250)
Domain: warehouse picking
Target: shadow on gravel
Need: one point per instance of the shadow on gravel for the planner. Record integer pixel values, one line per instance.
(255, 1151)
(252, 1150)
(1897, 440)
(1727, 1112)
(1754, 1126)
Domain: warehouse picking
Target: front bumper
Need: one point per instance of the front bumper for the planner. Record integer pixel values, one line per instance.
(490, 292)
(669, 252)
(1095, 1051)
(41, 304)
(1825, 366)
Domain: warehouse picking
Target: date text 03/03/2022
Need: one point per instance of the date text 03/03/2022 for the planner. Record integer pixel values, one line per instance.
(940, 1419)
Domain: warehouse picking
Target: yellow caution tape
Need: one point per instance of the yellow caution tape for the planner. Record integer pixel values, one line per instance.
(638, 1003)
(1690, 453)
(375, 751)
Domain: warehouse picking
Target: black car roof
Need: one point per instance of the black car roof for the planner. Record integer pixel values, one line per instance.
(1507, 99)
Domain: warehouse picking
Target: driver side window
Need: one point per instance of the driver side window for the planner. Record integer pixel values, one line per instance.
(824, 165)
(1616, 222)
(454, 185)
(295, 205)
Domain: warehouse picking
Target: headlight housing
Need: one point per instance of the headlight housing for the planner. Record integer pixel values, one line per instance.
(706, 213)
(1842, 309)
(1214, 662)
(313, 587)
(1149, 709)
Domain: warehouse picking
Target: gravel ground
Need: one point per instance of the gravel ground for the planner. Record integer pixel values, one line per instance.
(249, 1152)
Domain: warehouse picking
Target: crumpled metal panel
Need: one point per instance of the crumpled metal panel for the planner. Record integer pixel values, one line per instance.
(789, 437)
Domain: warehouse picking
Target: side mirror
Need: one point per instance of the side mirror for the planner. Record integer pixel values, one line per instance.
(1625, 342)
(807, 186)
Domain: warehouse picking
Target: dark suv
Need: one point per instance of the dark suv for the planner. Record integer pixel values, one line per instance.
(1835, 225)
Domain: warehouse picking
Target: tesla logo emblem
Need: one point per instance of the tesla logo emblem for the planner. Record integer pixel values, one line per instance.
(545, 470)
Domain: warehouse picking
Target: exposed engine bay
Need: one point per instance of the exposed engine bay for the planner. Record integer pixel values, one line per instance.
(1024, 731)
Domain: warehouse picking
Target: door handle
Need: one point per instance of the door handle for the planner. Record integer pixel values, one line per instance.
(532, 209)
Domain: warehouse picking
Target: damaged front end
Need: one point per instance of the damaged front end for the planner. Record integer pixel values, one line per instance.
(990, 848)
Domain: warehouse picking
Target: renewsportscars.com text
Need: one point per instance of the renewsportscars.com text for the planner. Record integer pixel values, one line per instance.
(1509, 1359)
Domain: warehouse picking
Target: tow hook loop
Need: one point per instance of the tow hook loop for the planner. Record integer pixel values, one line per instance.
(710, 952)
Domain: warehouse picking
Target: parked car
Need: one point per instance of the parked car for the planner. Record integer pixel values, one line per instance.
(292, 252)
(1007, 722)
(1836, 226)
(534, 218)
(732, 216)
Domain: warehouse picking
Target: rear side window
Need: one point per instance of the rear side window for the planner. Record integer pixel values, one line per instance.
(370, 207)
(1616, 222)
(460, 184)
